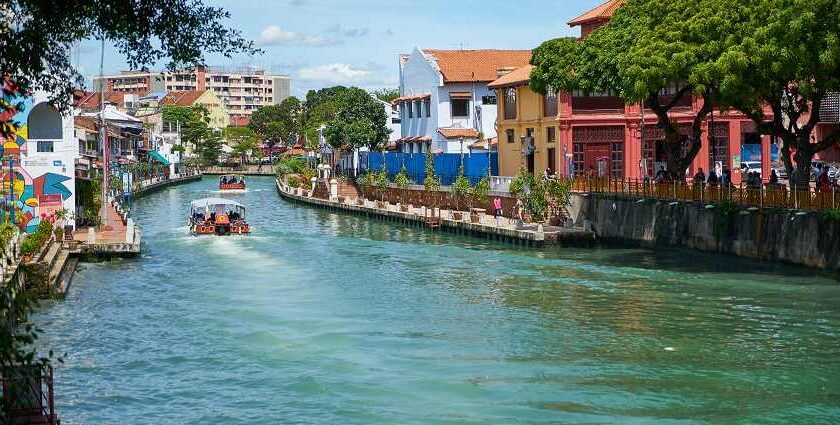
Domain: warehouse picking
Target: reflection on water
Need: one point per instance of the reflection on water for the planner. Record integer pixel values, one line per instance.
(326, 318)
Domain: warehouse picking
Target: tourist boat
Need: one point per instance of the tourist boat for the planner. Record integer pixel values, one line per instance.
(217, 216)
(232, 182)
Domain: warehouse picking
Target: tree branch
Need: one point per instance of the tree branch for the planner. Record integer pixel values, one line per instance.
(677, 97)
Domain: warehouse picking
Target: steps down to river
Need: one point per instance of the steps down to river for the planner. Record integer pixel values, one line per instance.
(52, 269)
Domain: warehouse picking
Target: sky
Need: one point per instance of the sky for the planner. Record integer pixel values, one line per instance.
(321, 43)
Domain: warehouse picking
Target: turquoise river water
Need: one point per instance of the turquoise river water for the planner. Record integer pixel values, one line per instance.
(322, 318)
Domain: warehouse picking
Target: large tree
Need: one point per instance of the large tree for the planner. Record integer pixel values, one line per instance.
(359, 121)
(37, 37)
(786, 61)
(658, 52)
(278, 123)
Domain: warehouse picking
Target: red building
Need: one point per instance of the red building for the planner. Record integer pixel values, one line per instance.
(603, 132)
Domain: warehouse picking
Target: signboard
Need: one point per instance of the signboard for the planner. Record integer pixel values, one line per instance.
(736, 162)
(49, 204)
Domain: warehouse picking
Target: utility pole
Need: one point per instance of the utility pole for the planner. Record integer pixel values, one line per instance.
(103, 134)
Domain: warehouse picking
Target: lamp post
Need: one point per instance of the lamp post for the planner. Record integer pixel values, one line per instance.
(461, 139)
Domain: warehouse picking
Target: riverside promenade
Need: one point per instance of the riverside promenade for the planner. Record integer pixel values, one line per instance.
(119, 236)
(502, 230)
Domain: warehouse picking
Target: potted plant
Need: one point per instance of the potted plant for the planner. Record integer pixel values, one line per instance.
(432, 182)
(381, 182)
(402, 182)
(558, 199)
(479, 196)
(460, 188)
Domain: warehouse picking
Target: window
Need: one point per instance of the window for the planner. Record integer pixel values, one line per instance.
(510, 103)
(419, 105)
(46, 146)
(511, 135)
(410, 110)
(577, 159)
(428, 108)
(460, 107)
(552, 160)
(551, 134)
(488, 100)
(550, 102)
(617, 160)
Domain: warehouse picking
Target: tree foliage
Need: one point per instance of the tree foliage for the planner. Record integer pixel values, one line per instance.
(359, 121)
(387, 95)
(786, 61)
(774, 61)
(38, 35)
(659, 52)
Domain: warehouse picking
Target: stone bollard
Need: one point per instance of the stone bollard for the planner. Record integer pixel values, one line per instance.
(314, 181)
(540, 233)
(91, 236)
(333, 190)
(129, 231)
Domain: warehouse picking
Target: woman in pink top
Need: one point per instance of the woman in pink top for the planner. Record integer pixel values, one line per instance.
(497, 207)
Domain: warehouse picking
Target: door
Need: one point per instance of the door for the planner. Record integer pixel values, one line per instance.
(552, 161)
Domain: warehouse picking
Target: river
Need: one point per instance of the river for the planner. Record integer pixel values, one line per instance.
(323, 318)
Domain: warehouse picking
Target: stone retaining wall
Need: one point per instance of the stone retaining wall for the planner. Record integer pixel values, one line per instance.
(803, 238)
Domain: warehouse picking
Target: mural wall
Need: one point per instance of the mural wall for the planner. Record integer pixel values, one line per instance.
(40, 148)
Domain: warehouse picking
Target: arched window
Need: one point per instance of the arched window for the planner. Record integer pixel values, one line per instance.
(44, 127)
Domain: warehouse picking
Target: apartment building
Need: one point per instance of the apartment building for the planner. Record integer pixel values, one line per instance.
(131, 82)
(241, 90)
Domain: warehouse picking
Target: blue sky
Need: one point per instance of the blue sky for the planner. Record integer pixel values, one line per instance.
(321, 43)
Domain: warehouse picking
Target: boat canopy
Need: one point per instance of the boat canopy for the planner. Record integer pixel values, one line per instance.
(207, 203)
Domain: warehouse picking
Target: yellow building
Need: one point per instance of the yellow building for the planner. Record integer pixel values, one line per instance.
(219, 117)
(527, 126)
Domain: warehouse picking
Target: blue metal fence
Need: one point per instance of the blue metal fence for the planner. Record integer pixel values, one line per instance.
(476, 165)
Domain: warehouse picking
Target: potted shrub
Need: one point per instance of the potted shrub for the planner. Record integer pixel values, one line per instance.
(558, 199)
(479, 196)
(402, 182)
(381, 182)
(460, 188)
(432, 182)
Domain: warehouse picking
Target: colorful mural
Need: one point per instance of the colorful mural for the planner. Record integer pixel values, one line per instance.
(36, 197)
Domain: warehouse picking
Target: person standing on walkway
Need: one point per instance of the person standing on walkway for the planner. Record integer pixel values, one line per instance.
(497, 209)
(519, 207)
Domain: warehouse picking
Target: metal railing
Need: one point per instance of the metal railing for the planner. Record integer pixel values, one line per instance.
(28, 396)
(763, 196)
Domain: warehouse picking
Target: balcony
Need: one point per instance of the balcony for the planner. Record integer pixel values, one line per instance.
(597, 105)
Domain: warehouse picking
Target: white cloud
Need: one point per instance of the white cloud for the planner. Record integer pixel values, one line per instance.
(340, 73)
(315, 77)
(274, 35)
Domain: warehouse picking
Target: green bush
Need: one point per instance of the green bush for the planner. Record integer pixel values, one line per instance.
(832, 214)
(481, 191)
(29, 246)
(461, 187)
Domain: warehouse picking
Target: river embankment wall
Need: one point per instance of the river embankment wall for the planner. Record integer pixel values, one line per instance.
(797, 237)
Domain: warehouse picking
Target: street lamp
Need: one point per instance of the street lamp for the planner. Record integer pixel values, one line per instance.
(461, 139)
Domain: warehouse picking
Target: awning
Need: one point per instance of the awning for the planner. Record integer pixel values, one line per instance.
(159, 158)
(460, 95)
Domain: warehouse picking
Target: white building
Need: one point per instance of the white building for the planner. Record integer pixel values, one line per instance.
(444, 101)
(46, 150)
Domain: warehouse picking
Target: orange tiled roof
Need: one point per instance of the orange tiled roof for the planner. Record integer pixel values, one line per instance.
(84, 122)
(182, 98)
(518, 77)
(92, 100)
(466, 66)
(482, 144)
(602, 12)
(456, 133)
(410, 98)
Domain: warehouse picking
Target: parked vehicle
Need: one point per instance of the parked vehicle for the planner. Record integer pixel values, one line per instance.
(751, 167)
